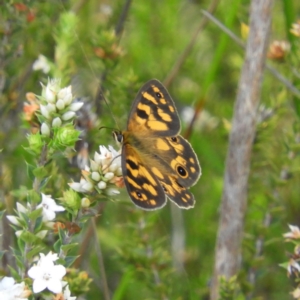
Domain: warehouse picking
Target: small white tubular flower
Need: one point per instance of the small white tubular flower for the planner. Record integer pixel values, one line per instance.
(45, 130)
(21, 208)
(44, 111)
(112, 192)
(294, 233)
(67, 294)
(95, 176)
(109, 175)
(9, 290)
(103, 174)
(293, 267)
(76, 106)
(41, 64)
(47, 275)
(57, 122)
(68, 115)
(65, 95)
(102, 185)
(51, 107)
(13, 220)
(49, 208)
(60, 104)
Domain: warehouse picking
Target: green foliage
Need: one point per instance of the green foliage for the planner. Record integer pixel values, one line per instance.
(106, 68)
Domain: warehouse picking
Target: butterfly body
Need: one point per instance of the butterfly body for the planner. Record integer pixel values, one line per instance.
(156, 161)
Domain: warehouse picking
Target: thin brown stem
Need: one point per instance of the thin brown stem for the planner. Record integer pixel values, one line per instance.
(234, 198)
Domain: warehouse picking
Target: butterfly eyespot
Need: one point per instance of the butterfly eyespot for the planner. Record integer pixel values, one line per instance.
(181, 171)
(158, 95)
(139, 195)
(174, 139)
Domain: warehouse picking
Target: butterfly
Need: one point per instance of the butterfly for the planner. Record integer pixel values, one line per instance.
(157, 162)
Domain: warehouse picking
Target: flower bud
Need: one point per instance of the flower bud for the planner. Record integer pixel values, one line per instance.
(102, 185)
(49, 94)
(95, 176)
(85, 202)
(76, 106)
(45, 130)
(56, 122)
(51, 108)
(60, 104)
(87, 187)
(68, 115)
(109, 175)
(44, 111)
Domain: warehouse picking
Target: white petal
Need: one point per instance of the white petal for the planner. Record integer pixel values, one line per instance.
(59, 271)
(54, 285)
(35, 272)
(39, 285)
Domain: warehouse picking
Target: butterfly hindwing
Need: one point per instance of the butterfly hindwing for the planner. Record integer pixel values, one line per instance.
(177, 193)
(177, 152)
(142, 185)
(153, 111)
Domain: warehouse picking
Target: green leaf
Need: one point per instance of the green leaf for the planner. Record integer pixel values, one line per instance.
(30, 168)
(57, 246)
(14, 273)
(35, 214)
(70, 260)
(40, 172)
(67, 248)
(44, 182)
(33, 197)
(34, 251)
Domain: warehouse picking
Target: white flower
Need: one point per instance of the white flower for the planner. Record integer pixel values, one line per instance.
(44, 111)
(14, 220)
(41, 64)
(47, 275)
(68, 115)
(293, 267)
(60, 104)
(56, 122)
(102, 185)
(45, 130)
(65, 94)
(112, 192)
(9, 290)
(49, 207)
(294, 233)
(67, 294)
(76, 106)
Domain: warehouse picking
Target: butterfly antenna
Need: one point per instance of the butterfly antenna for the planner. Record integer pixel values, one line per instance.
(100, 90)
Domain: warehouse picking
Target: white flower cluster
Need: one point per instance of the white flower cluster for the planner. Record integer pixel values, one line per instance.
(57, 106)
(49, 207)
(104, 173)
(10, 290)
(47, 275)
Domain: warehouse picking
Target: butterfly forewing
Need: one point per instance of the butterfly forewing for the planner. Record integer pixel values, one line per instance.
(153, 111)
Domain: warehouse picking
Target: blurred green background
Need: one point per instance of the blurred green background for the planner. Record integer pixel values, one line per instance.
(166, 254)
